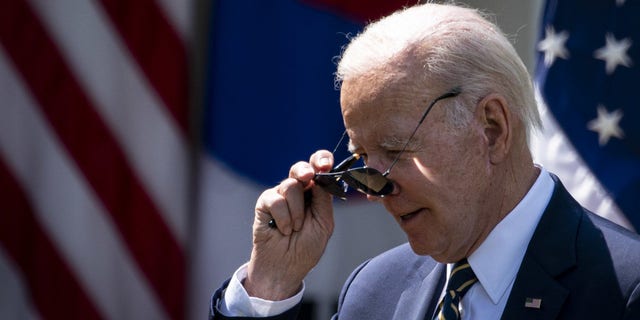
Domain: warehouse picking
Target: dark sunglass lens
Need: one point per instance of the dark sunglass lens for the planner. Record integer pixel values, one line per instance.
(369, 181)
(331, 183)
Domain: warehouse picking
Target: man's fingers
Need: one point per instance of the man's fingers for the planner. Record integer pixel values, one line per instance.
(322, 161)
(272, 205)
(292, 190)
(284, 204)
(302, 172)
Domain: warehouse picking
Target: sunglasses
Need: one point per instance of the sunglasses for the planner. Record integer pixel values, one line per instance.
(365, 179)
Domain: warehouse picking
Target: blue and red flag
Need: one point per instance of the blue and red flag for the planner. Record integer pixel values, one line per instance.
(270, 95)
(270, 101)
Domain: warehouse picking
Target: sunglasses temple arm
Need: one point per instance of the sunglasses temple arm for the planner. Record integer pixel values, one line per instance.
(452, 93)
(409, 140)
(344, 134)
(346, 163)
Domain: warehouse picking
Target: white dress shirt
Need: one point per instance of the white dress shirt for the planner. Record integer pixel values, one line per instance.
(497, 260)
(495, 263)
(237, 302)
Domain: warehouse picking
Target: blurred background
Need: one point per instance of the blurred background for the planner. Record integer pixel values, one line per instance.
(136, 135)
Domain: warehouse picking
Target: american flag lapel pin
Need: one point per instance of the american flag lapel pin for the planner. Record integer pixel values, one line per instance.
(533, 303)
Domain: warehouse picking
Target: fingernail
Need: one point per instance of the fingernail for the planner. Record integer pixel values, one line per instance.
(324, 161)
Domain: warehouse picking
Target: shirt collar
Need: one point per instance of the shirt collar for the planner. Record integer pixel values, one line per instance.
(497, 260)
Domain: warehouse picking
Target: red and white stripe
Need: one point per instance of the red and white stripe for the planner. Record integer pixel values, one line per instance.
(94, 163)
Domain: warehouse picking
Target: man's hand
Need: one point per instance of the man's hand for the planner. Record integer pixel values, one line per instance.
(283, 256)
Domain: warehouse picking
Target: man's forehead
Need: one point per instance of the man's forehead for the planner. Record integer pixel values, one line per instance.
(381, 83)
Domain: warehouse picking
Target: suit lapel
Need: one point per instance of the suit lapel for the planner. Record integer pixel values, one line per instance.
(536, 293)
(421, 298)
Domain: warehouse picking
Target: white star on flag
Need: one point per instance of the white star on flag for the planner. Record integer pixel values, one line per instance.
(582, 93)
(553, 45)
(614, 53)
(606, 125)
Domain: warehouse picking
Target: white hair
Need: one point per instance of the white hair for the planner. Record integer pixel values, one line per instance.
(454, 46)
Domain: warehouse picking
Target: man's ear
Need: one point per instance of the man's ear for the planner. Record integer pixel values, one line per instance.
(496, 119)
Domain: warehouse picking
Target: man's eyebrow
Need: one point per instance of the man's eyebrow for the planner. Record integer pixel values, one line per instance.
(388, 142)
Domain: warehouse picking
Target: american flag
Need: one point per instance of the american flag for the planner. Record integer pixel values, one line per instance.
(97, 213)
(588, 72)
(94, 160)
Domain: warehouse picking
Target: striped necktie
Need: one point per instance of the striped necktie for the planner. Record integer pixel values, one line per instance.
(460, 280)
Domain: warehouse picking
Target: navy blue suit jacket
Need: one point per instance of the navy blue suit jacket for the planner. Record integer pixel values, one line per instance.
(579, 265)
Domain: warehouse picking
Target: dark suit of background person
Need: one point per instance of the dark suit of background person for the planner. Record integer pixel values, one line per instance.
(578, 264)
(455, 184)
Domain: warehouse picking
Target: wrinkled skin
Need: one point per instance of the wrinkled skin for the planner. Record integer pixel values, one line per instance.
(282, 257)
(451, 187)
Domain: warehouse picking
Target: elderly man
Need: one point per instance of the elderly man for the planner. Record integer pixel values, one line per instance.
(440, 107)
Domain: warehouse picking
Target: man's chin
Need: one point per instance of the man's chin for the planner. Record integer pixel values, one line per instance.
(419, 249)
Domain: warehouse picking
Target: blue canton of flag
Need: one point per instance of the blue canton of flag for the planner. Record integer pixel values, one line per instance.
(588, 74)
